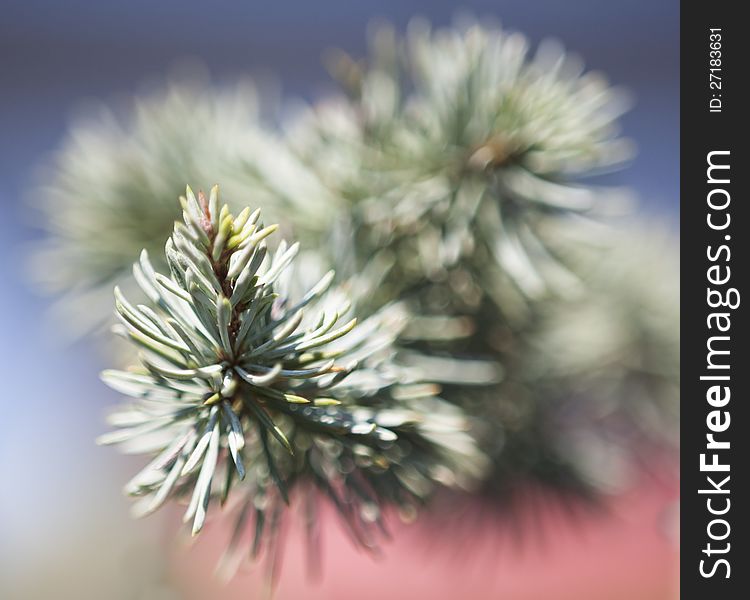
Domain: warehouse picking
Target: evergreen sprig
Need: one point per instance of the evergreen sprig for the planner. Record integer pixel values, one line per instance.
(241, 386)
(110, 190)
(461, 162)
(457, 152)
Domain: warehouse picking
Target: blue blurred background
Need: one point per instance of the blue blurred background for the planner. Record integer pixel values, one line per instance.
(55, 55)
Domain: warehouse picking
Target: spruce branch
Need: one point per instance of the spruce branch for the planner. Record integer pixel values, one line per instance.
(456, 151)
(242, 387)
(110, 190)
(463, 160)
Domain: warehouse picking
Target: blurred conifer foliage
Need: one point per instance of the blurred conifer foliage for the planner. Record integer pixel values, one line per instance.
(514, 327)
